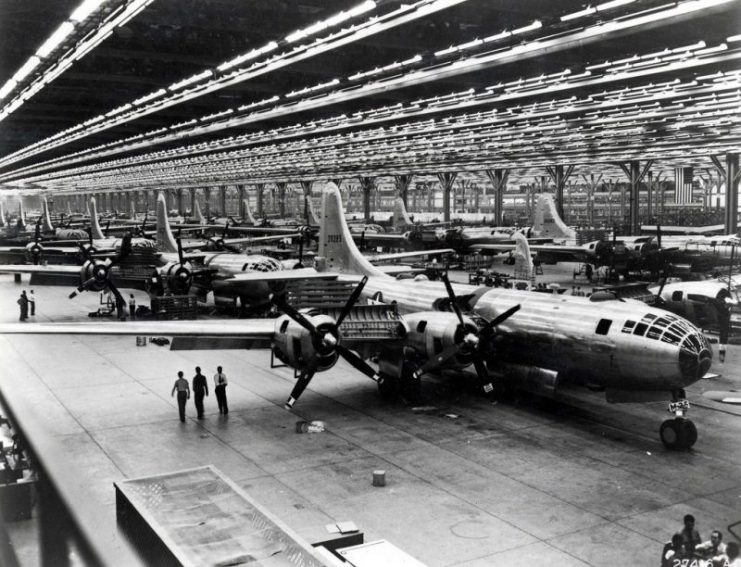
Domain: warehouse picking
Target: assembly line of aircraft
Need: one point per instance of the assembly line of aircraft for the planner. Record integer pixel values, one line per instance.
(531, 341)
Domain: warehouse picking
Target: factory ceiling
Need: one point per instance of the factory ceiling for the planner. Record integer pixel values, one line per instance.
(153, 93)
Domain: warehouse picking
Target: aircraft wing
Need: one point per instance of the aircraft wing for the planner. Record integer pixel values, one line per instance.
(547, 253)
(728, 397)
(260, 230)
(711, 229)
(399, 269)
(246, 240)
(40, 269)
(281, 275)
(412, 254)
(379, 237)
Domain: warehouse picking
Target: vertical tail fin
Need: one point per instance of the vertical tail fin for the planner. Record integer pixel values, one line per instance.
(94, 225)
(336, 244)
(547, 223)
(165, 239)
(46, 225)
(197, 214)
(401, 220)
(524, 267)
(248, 212)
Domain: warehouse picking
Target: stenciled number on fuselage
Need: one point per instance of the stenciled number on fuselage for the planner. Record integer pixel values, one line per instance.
(334, 238)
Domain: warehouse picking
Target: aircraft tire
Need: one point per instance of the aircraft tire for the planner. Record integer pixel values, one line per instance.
(678, 434)
(690, 433)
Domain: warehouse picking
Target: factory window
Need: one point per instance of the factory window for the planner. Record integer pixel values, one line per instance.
(640, 329)
(628, 326)
(421, 326)
(603, 326)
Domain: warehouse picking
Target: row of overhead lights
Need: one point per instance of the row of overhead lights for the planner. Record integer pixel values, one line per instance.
(260, 115)
(424, 7)
(621, 119)
(209, 81)
(546, 83)
(59, 37)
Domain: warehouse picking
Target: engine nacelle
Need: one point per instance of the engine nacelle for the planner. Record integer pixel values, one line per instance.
(294, 345)
(534, 379)
(34, 251)
(97, 272)
(430, 333)
(176, 277)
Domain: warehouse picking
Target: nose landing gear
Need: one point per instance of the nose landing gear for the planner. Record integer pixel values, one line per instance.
(679, 433)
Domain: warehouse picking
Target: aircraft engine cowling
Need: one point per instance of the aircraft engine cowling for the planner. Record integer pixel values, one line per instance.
(294, 345)
(176, 276)
(96, 272)
(534, 379)
(433, 332)
(34, 251)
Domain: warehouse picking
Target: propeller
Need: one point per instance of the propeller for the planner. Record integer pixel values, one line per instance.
(326, 341)
(471, 343)
(100, 271)
(35, 249)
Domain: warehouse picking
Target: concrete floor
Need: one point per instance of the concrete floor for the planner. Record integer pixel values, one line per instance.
(469, 483)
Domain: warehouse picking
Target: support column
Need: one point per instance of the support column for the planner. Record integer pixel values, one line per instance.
(207, 202)
(635, 175)
(559, 177)
(498, 179)
(260, 191)
(281, 185)
(402, 183)
(181, 205)
(306, 186)
(591, 185)
(732, 176)
(446, 182)
(367, 184)
(241, 196)
(222, 201)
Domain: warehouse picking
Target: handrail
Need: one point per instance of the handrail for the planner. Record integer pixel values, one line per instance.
(66, 513)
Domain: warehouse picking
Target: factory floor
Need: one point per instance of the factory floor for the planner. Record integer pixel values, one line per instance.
(468, 483)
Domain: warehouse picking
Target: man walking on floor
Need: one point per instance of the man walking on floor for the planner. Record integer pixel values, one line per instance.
(220, 390)
(200, 387)
(183, 390)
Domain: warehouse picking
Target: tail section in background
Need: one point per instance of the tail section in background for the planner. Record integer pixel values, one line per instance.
(249, 217)
(401, 220)
(313, 218)
(336, 244)
(197, 214)
(94, 225)
(547, 223)
(524, 268)
(165, 239)
(2, 215)
(87, 212)
(21, 216)
(46, 225)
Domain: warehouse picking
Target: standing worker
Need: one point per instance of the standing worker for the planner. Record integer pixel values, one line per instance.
(200, 387)
(132, 306)
(23, 302)
(183, 390)
(32, 303)
(220, 390)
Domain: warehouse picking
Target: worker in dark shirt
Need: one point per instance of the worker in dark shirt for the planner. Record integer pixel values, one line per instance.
(200, 387)
(183, 389)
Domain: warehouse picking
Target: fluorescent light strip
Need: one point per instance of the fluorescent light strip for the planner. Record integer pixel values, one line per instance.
(480, 101)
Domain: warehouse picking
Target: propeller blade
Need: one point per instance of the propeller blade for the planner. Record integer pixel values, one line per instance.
(483, 375)
(501, 318)
(83, 287)
(300, 263)
(85, 252)
(107, 226)
(451, 295)
(298, 389)
(438, 359)
(226, 227)
(90, 236)
(180, 250)
(280, 301)
(351, 301)
(358, 363)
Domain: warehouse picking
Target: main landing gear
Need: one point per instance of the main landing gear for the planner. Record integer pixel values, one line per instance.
(679, 433)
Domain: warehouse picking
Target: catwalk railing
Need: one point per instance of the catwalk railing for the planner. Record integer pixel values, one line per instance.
(68, 521)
